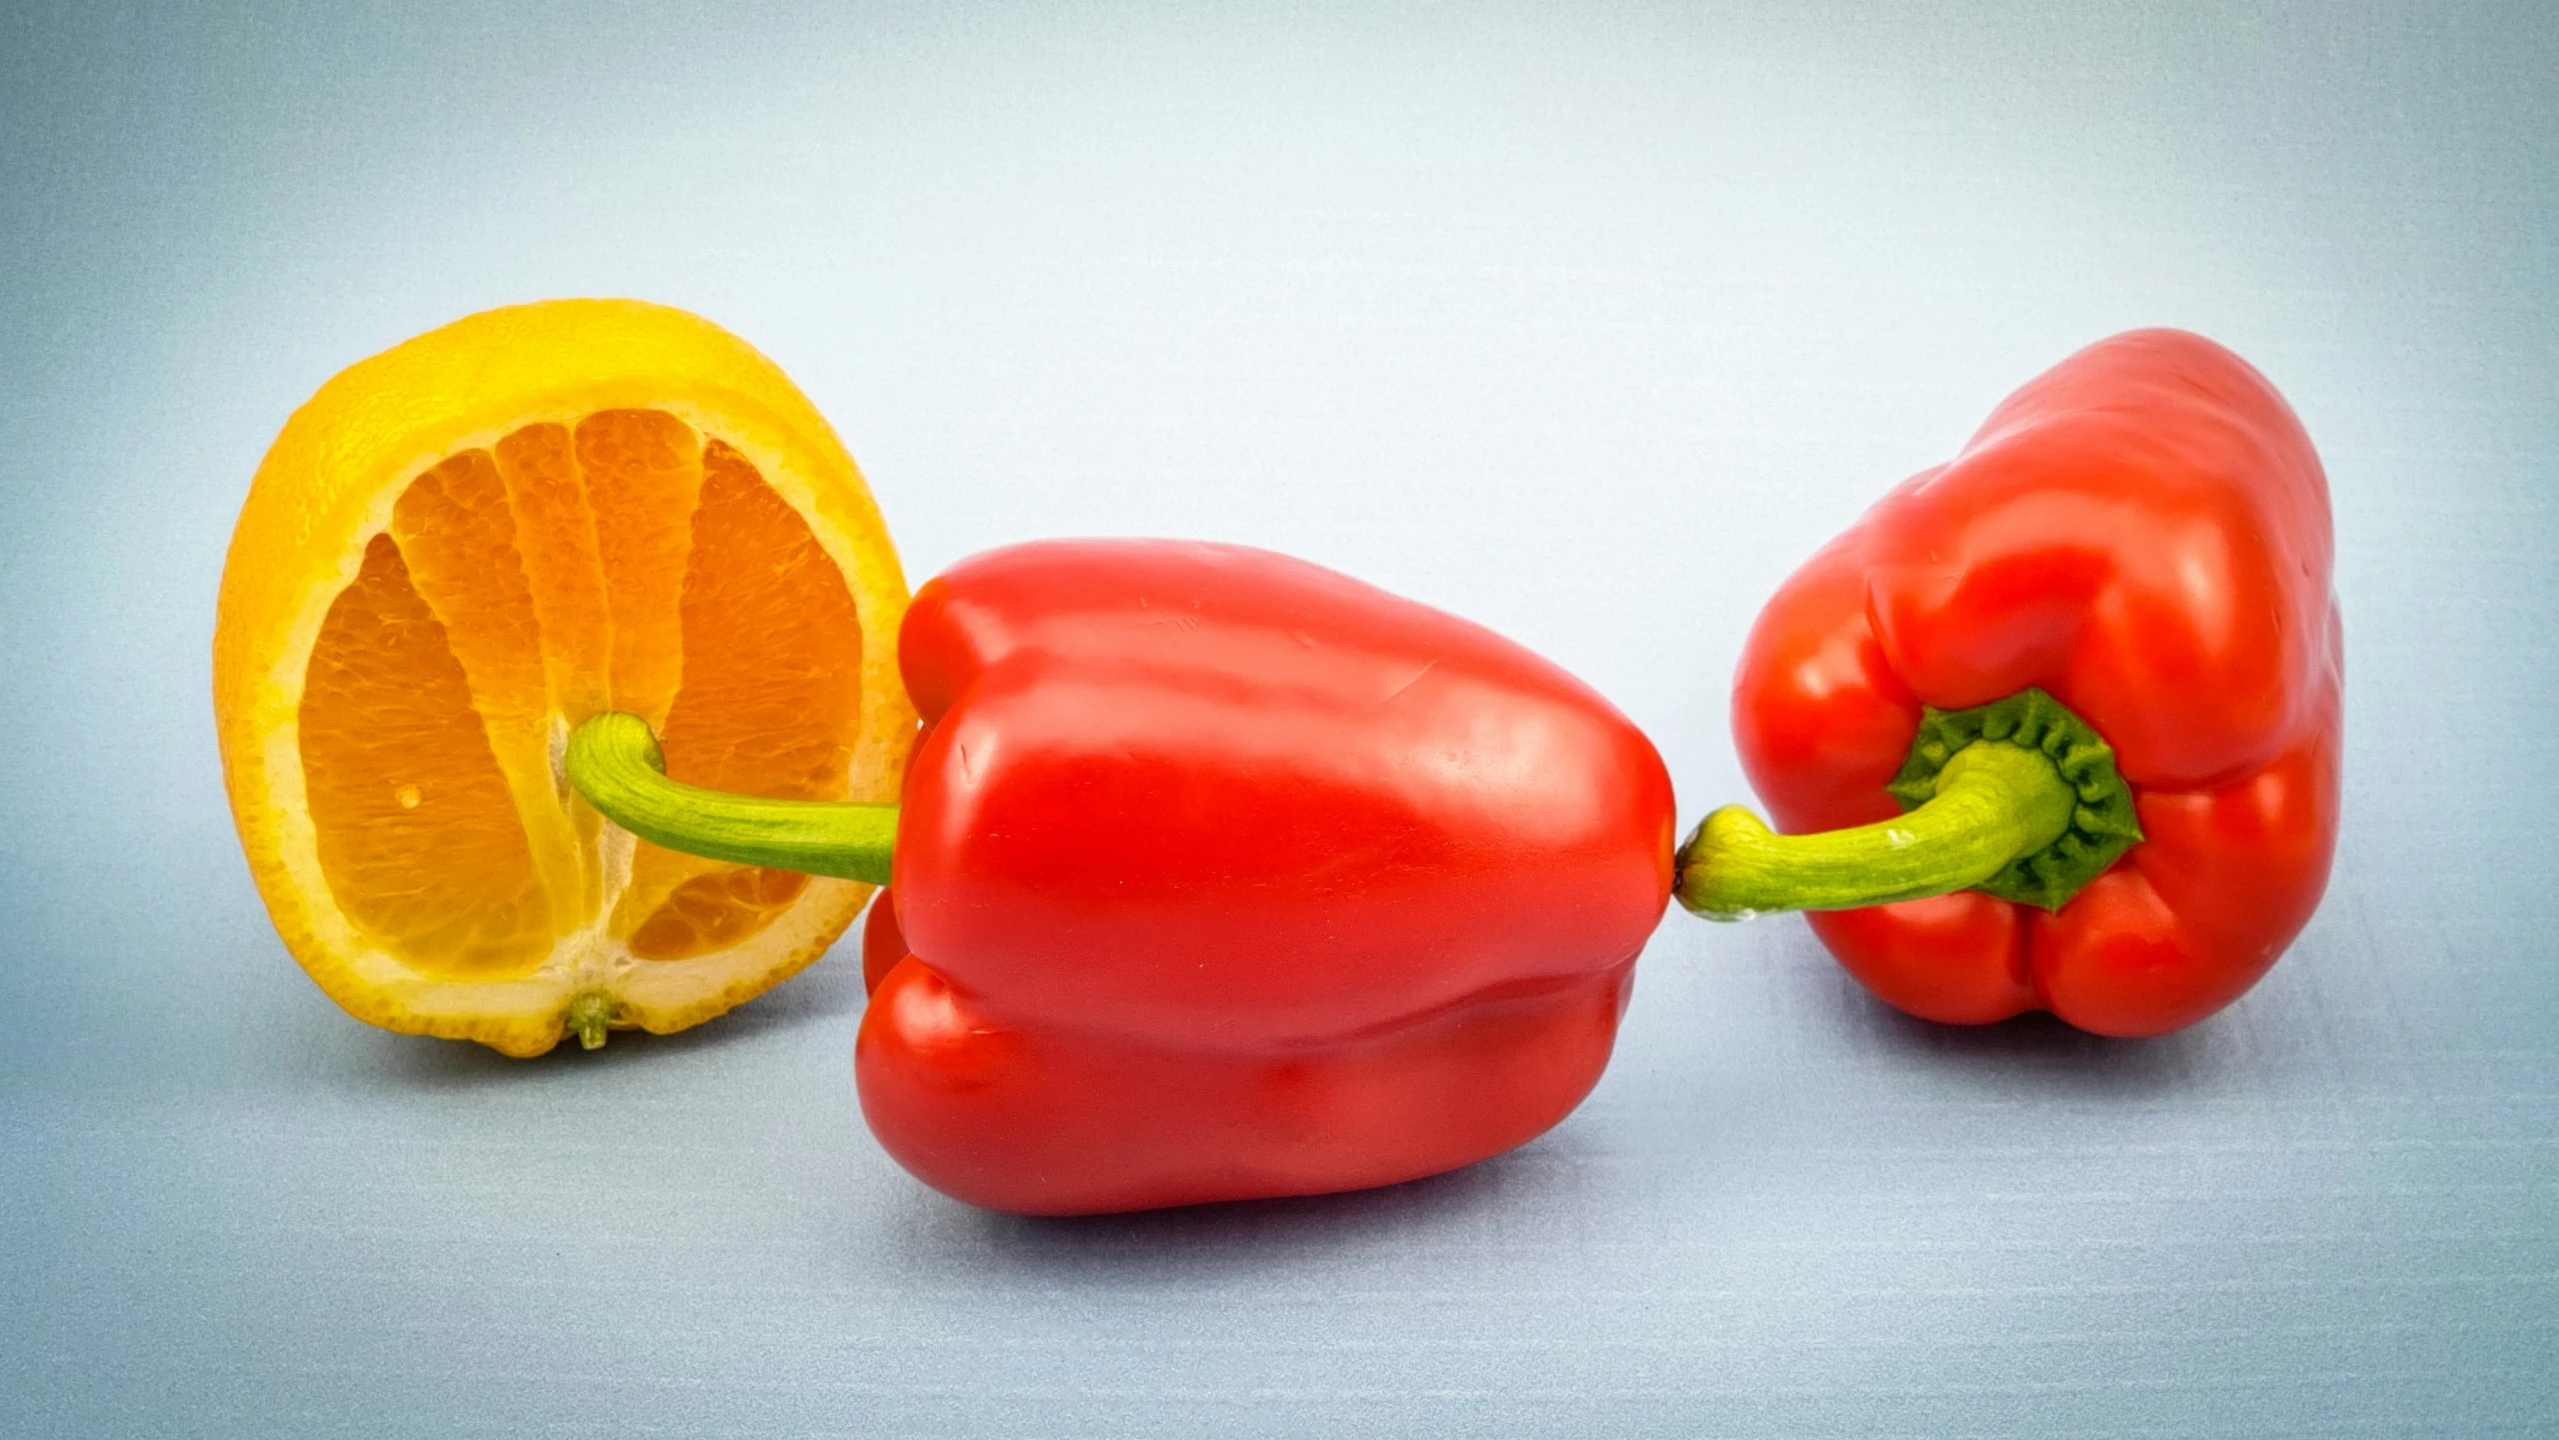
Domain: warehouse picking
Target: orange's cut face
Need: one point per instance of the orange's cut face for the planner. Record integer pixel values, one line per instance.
(440, 872)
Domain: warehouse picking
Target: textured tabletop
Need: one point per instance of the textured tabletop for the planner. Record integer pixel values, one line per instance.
(1586, 322)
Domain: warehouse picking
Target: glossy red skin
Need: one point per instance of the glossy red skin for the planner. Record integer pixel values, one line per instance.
(2144, 532)
(883, 944)
(1227, 876)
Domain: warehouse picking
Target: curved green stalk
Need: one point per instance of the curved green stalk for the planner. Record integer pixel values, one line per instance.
(2018, 798)
(1994, 803)
(615, 763)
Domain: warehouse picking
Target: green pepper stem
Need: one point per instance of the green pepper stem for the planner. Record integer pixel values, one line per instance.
(1994, 803)
(615, 763)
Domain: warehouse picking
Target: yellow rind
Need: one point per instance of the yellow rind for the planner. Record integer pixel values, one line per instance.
(328, 484)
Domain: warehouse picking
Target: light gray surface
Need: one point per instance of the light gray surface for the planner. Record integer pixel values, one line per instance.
(1586, 325)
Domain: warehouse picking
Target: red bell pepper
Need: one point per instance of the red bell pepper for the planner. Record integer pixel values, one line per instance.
(2096, 659)
(1224, 876)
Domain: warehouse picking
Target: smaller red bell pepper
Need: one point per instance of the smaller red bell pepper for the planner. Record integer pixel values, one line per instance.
(2076, 693)
(1223, 875)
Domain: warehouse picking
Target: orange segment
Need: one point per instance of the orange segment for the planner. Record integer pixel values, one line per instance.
(464, 546)
(418, 834)
(642, 470)
(759, 587)
(556, 536)
(710, 911)
(457, 536)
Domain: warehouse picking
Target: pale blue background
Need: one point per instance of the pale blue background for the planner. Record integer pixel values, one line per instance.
(1587, 321)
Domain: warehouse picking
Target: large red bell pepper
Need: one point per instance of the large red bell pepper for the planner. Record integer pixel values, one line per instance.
(2096, 659)
(1224, 876)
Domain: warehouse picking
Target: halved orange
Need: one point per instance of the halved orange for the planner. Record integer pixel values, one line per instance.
(462, 547)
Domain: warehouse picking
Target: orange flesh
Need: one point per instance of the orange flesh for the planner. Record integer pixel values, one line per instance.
(417, 832)
(617, 562)
(455, 533)
(643, 473)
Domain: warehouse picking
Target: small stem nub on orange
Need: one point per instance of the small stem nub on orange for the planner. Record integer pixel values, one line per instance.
(590, 1016)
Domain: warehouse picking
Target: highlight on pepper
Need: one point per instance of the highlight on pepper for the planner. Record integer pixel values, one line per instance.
(2056, 725)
